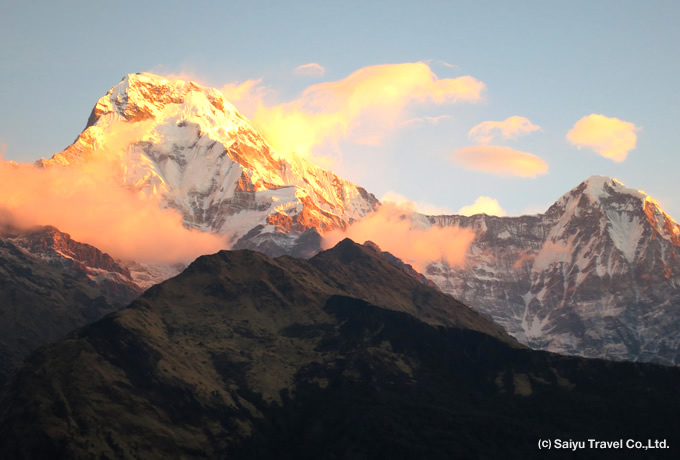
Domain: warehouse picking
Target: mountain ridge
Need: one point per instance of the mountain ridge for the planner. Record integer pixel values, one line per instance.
(201, 157)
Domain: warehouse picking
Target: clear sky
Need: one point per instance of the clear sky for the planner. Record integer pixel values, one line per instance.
(606, 72)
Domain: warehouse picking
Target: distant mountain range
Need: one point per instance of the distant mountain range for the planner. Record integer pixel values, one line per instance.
(340, 356)
(277, 349)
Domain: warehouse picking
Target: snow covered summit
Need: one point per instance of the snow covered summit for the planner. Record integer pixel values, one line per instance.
(187, 145)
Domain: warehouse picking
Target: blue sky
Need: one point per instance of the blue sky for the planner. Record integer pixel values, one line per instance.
(553, 63)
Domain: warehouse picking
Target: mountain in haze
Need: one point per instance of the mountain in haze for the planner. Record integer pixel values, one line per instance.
(190, 147)
(597, 274)
(339, 356)
(50, 285)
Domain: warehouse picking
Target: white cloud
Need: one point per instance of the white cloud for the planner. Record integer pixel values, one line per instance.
(483, 205)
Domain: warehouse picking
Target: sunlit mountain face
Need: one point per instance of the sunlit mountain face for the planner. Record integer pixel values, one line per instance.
(187, 148)
(167, 170)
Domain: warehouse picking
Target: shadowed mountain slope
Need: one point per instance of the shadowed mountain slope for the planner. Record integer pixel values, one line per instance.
(50, 285)
(242, 356)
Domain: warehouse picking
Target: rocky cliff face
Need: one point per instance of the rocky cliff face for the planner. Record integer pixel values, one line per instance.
(596, 275)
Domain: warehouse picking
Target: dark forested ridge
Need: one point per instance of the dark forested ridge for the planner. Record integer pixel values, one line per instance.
(341, 356)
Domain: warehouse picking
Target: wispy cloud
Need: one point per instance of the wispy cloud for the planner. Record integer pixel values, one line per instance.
(368, 104)
(247, 96)
(610, 137)
(500, 161)
(311, 69)
(440, 62)
(483, 205)
(510, 128)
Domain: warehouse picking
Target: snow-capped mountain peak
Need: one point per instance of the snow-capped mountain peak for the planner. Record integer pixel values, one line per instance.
(624, 213)
(597, 191)
(187, 145)
(144, 96)
(597, 274)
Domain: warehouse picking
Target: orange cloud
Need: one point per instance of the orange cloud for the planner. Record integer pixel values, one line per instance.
(499, 160)
(610, 137)
(392, 230)
(88, 202)
(246, 96)
(483, 205)
(311, 69)
(364, 106)
(421, 207)
(509, 128)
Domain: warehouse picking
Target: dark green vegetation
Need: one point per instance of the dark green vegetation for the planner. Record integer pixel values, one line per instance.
(341, 356)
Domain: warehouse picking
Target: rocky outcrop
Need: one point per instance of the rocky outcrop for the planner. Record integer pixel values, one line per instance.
(82, 260)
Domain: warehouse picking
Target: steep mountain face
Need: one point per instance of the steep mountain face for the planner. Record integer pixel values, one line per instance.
(242, 357)
(596, 275)
(189, 146)
(50, 285)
